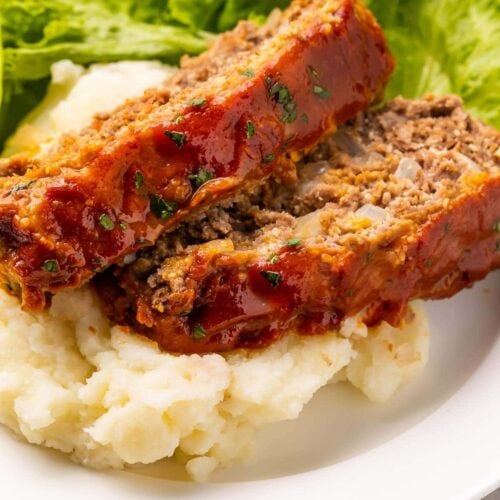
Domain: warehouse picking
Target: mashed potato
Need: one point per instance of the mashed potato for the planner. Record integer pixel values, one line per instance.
(71, 381)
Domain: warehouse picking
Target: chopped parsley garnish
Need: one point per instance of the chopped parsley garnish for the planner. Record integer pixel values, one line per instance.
(199, 102)
(123, 225)
(304, 118)
(161, 208)
(198, 332)
(274, 278)
(178, 137)
(106, 222)
(496, 226)
(290, 114)
(350, 292)
(273, 258)
(282, 95)
(428, 263)
(247, 72)
(269, 158)
(293, 242)
(250, 129)
(321, 92)
(138, 180)
(21, 186)
(51, 266)
(201, 177)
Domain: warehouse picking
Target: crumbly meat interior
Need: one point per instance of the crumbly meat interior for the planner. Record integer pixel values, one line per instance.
(233, 114)
(370, 180)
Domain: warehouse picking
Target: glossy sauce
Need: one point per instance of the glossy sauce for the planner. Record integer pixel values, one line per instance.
(331, 72)
(237, 306)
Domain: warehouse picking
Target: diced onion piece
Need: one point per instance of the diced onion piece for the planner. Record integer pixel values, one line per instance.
(407, 169)
(128, 259)
(375, 214)
(368, 158)
(470, 164)
(312, 171)
(348, 143)
(308, 225)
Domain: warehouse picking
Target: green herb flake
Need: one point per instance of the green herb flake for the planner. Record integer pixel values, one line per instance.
(106, 222)
(268, 158)
(290, 114)
(368, 257)
(123, 226)
(273, 258)
(201, 177)
(293, 242)
(138, 180)
(496, 226)
(179, 138)
(274, 90)
(199, 102)
(51, 266)
(284, 96)
(247, 72)
(250, 129)
(274, 278)
(321, 92)
(304, 118)
(350, 292)
(21, 186)
(428, 263)
(178, 119)
(198, 332)
(161, 208)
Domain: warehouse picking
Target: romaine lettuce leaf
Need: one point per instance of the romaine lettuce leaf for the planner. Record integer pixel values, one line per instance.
(37, 33)
(446, 46)
(242, 9)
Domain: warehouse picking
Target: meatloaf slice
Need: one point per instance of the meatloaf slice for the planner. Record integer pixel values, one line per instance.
(231, 117)
(399, 204)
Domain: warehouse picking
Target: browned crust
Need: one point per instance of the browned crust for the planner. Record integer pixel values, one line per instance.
(56, 216)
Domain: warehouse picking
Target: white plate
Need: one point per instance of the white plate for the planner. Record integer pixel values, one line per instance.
(439, 438)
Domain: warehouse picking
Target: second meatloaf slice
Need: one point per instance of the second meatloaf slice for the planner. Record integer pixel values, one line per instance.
(403, 203)
(227, 120)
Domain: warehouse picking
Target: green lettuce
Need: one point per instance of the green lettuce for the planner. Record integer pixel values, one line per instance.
(37, 33)
(446, 46)
(440, 47)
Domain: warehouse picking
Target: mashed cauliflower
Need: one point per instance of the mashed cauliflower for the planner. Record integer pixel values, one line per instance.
(71, 381)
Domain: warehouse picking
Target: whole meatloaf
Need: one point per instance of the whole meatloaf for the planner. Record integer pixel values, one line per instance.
(228, 119)
(398, 204)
